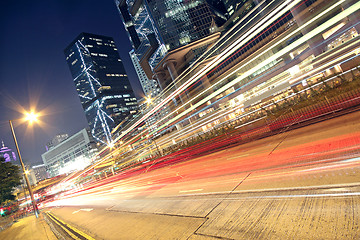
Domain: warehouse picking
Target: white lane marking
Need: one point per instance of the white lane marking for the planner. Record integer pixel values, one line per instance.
(333, 164)
(319, 187)
(83, 209)
(193, 190)
(244, 155)
(299, 196)
(336, 190)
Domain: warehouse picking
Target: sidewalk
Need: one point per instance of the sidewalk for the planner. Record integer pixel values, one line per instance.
(28, 228)
(5, 223)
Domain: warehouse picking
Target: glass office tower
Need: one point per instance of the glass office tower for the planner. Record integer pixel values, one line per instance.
(101, 83)
(182, 22)
(156, 27)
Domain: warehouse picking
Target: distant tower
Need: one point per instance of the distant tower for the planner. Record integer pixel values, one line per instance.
(7, 153)
(102, 84)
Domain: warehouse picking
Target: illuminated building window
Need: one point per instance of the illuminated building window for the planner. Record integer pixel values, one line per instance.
(111, 106)
(104, 88)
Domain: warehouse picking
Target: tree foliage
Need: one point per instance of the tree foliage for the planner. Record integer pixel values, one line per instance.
(9, 179)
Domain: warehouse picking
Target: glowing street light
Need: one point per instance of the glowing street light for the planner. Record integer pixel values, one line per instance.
(111, 145)
(148, 100)
(30, 117)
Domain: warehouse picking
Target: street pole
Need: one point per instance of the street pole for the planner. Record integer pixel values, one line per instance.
(36, 211)
(25, 196)
(156, 146)
(23, 187)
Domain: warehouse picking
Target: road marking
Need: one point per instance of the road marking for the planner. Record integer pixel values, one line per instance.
(298, 196)
(244, 155)
(193, 190)
(83, 209)
(311, 187)
(66, 227)
(336, 189)
(345, 163)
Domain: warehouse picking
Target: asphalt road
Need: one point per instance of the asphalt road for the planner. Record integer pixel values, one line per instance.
(302, 184)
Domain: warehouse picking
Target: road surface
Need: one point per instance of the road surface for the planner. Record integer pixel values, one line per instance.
(302, 184)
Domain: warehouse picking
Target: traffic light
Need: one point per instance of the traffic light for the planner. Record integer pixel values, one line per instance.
(2, 212)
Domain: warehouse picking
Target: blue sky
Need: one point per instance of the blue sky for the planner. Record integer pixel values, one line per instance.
(33, 70)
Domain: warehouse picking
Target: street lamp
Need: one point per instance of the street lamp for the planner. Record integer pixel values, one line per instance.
(148, 100)
(31, 117)
(111, 145)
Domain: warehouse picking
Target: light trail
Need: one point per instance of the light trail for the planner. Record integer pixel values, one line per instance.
(223, 89)
(145, 130)
(225, 36)
(206, 174)
(288, 48)
(191, 80)
(221, 58)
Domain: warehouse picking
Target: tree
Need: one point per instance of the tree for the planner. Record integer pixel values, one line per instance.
(9, 179)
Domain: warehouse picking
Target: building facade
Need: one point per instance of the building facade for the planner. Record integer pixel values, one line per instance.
(142, 31)
(150, 87)
(265, 56)
(101, 83)
(156, 27)
(273, 50)
(74, 153)
(56, 140)
(31, 176)
(40, 172)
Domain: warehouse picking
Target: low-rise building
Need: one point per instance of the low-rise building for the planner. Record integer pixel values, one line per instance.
(40, 172)
(74, 153)
(56, 140)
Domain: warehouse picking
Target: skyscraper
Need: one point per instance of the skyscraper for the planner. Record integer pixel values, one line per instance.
(101, 83)
(157, 27)
(142, 31)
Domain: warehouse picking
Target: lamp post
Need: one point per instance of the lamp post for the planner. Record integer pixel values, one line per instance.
(153, 140)
(31, 118)
(156, 146)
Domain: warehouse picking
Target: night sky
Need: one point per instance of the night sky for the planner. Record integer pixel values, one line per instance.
(33, 70)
